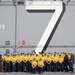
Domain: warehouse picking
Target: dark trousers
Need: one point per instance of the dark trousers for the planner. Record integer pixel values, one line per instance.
(4, 62)
(37, 69)
(45, 66)
(24, 67)
(34, 70)
(55, 66)
(21, 66)
(52, 66)
(7, 67)
(0, 66)
(13, 67)
(49, 67)
(27, 66)
(61, 67)
(10, 66)
(71, 67)
(66, 67)
(30, 67)
(18, 67)
(40, 69)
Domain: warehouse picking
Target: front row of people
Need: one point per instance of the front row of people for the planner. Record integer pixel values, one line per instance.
(38, 63)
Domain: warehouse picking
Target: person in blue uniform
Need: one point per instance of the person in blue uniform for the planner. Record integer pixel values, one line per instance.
(72, 63)
(66, 62)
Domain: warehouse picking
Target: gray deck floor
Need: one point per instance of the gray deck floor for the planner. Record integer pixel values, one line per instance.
(45, 73)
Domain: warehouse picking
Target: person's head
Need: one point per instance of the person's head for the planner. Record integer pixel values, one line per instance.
(34, 59)
(65, 53)
(24, 54)
(4, 54)
(14, 55)
(44, 54)
(8, 55)
(69, 53)
(55, 52)
(31, 54)
(48, 55)
(40, 59)
(36, 54)
(28, 54)
(61, 53)
(72, 54)
(51, 53)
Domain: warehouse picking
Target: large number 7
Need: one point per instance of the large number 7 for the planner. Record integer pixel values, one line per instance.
(57, 6)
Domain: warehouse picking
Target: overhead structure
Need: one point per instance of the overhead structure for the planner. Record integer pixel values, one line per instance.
(56, 6)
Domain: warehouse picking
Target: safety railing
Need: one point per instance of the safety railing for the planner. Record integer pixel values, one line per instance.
(49, 2)
(28, 2)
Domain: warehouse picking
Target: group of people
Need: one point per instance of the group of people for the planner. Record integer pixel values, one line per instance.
(38, 63)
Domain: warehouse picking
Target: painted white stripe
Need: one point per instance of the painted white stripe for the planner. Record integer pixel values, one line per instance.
(46, 5)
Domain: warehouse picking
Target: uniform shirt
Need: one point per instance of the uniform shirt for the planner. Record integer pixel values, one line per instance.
(49, 55)
(14, 59)
(57, 55)
(63, 55)
(25, 58)
(4, 57)
(55, 59)
(40, 55)
(40, 63)
(34, 63)
(19, 58)
(61, 59)
(10, 58)
(69, 57)
(45, 57)
(30, 58)
(37, 58)
(7, 59)
(52, 57)
(34, 56)
(48, 59)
